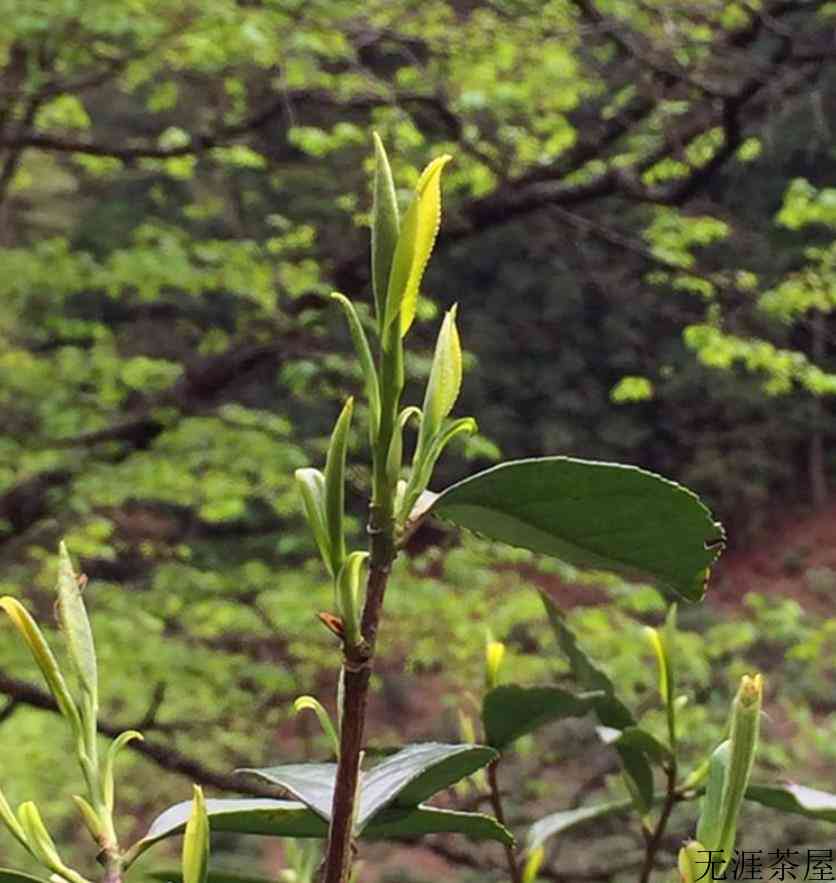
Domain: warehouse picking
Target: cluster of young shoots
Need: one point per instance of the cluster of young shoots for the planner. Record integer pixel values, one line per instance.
(515, 502)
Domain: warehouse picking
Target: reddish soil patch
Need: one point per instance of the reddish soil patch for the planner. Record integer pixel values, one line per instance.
(794, 559)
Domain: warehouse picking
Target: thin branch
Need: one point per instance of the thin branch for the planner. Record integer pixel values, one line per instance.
(167, 758)
(653, 839)
(8, 710)
(499, 812)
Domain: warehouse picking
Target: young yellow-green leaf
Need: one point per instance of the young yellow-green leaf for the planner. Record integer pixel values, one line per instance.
(415, 243)
(196, 841)
(533, 864)
(394, 459)
(494, 654)
(311, 703)
(348, 596)
(661, 641)
(108, 778)
(311, 484)
(90, 817)
(40, 843)
(691, 857)
(424, 463)
(710, 823)
(335, 486)
(43, 656)
(385, 227)
(589, 514)
(445, 378)
(75, 626)
(364, 354)
(10, 820)
(746, 713)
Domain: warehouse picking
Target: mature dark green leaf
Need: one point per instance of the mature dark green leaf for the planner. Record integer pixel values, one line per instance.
(637, 749)
(405, 779)
(280, 818)
(638, 739)
(611, 711)
(590, 514)
(312, 783)
(509, 712)
(417, 772)
(7, 876)
(396, 822)
(795, 799)
(638, 775)
(557, 822)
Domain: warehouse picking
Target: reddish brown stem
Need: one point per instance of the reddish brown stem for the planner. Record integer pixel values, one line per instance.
(357, 669)
(496, 803)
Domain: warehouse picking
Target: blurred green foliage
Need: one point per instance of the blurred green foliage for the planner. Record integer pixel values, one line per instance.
(642, 233)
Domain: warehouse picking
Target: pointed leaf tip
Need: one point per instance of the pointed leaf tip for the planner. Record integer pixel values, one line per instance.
(196, 841)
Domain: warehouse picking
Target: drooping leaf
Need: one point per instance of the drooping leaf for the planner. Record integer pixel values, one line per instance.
(278, 818)
(611, 711)
(396, 822)
(43, 656)
(557, 822)
(592, 514)
(509, 712)
(312, 783)
(796, 799)
(116, 746)
(311, 703)
(417, 772)
(415, 243)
